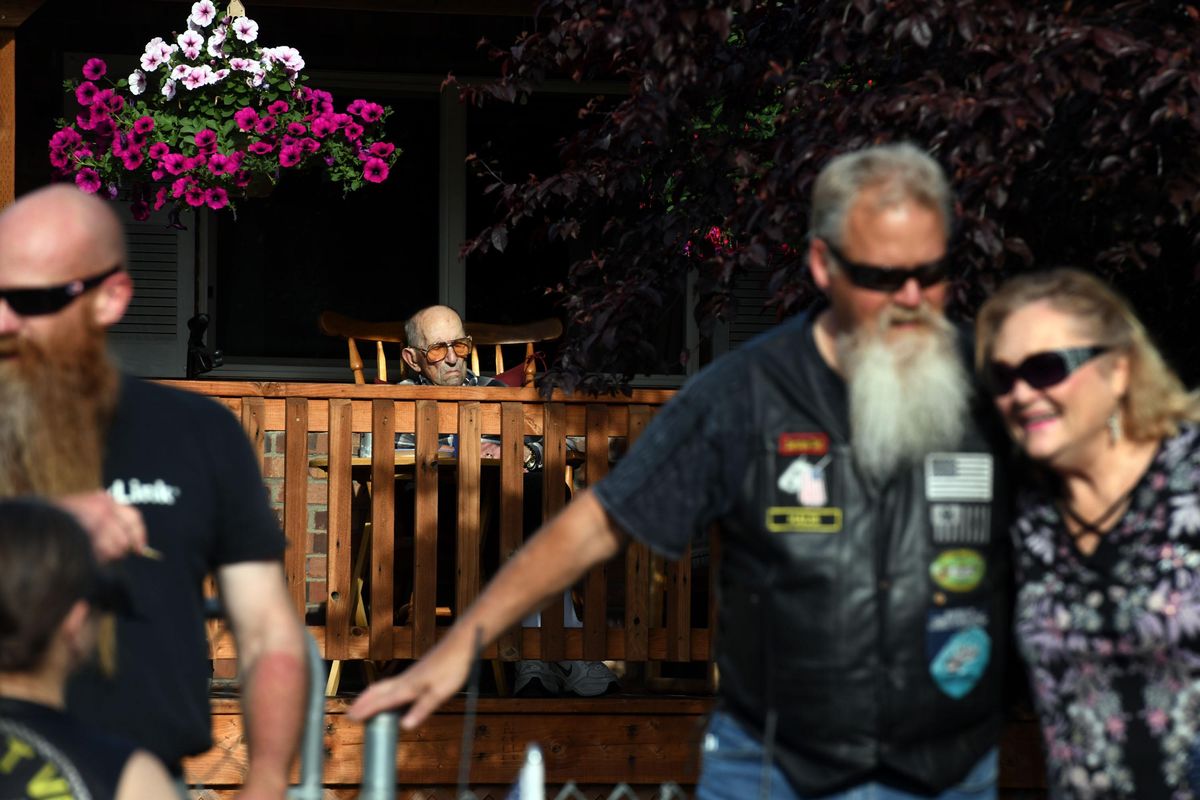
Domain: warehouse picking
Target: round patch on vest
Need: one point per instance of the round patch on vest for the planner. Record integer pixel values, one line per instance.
(958, 570)
(960, 663)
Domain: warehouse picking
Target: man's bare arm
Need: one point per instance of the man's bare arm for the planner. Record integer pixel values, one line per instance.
(561, 551)
(270, 646)
(115, 529)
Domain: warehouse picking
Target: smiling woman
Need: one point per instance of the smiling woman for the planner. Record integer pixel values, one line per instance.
(1107, 533)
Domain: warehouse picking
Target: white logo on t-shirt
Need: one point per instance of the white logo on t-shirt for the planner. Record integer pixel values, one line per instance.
(158, 493)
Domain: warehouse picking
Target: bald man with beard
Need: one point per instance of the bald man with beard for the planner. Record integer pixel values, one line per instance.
(145, 469)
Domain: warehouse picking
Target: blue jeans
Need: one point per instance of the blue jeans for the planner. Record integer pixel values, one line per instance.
(732, 769)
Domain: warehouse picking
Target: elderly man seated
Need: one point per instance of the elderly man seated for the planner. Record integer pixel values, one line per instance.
(436, 352)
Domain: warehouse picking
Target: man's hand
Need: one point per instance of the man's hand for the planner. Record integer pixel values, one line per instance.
(115, 530)
(425, 685)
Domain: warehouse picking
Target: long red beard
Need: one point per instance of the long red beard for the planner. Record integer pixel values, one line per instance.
(55, 409)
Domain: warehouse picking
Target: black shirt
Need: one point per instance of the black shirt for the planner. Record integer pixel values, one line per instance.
(186, 464)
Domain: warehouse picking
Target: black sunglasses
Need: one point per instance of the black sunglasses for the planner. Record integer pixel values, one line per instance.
(43, 300)
(1040, 370)
(887, 279)
(438, 351)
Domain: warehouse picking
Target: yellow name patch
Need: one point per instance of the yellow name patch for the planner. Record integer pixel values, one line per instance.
(798, 519)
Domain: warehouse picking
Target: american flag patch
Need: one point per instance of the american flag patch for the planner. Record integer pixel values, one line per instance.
(958, 476)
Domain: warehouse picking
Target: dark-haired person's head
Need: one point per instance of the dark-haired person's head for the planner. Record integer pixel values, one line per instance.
(47, 575)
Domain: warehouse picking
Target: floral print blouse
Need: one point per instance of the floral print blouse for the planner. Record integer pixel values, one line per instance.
(1112, 640)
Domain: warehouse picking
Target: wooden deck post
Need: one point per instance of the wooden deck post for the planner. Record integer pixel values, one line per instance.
(12, 14)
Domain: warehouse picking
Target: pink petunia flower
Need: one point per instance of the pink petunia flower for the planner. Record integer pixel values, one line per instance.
(158, 150)
(206, 140)
(143, 125)
(297, 129)
(157, 174)
(382, 149)
(160, 198)
(194, 196)
(216, 198)
(132, 159)
(264, 125)
(356, 107)
(115, 103)
(104, 127)
(94, 69)
(180, 186)
(88, 180)
(353, 131)
(322, 127)
(375, 170)
(219, 164)
(245, 118)
(371, 112)
(260, 148)
(86, 93)
(59, 158)
(242, 179)
(278, 107)
(140, 210)
(174, 163)
(290, 156)
(65, 138)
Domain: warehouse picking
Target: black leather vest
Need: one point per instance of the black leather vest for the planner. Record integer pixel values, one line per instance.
(872, 619)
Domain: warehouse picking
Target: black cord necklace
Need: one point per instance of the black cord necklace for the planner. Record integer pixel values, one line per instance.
(1100, 525)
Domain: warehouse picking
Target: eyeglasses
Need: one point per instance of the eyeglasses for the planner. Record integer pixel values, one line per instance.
(1040, 370)
(439, 350)
(887, 279)
(42, 300)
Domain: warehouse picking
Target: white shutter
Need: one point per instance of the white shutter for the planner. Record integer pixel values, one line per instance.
(151, 339)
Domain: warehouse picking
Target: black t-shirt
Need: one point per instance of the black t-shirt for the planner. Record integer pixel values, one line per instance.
(46, 753)
(186, 464)
(686, 469)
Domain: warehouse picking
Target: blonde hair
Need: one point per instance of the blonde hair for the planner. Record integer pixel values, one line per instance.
(1156, 402)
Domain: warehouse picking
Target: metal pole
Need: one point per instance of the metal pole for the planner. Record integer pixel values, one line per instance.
(312, 746)
(379, 758)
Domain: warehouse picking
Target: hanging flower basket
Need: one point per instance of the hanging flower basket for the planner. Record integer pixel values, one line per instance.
(211, 117)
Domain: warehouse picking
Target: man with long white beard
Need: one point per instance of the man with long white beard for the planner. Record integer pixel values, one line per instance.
(184, 496)
(850, 474)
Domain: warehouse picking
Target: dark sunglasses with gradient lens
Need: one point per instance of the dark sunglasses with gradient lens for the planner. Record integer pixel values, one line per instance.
(36, 302)
(439, 350)
(887, 279)
(1040, 370)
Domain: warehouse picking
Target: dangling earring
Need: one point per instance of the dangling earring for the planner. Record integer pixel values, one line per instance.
(1114, 427)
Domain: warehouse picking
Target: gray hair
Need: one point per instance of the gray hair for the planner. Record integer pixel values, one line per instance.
(900, 171)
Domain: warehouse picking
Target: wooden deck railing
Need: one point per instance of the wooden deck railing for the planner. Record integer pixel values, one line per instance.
(634, 608)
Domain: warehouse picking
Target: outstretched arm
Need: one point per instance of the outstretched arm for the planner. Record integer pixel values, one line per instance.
(561, 551)
(270, 646)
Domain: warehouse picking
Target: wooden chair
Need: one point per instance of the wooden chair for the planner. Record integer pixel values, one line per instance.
(528, 334)
(335, 324)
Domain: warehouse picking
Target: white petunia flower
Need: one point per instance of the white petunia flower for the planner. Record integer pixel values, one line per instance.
(137, 82)
(199, 76)
(154, 44)
(245, 29)
(219, 75)
(244, 64)
(191, 42)
(180, 72)
(168, 89)
(151, 61)
(216, 43)
(203, 13)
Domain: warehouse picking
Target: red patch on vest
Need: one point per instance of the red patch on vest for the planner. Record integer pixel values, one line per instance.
(803, 444)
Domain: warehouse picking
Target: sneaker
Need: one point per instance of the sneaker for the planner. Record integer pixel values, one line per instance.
(536, 679)
(586, 678)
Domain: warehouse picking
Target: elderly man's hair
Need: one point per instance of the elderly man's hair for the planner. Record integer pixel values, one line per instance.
(412, 331)
(46, 564)
(899, 172)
